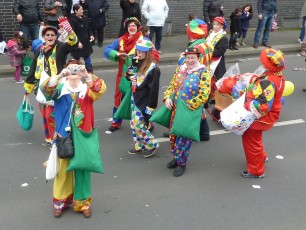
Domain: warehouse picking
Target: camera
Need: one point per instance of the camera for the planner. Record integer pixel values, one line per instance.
(73, 70)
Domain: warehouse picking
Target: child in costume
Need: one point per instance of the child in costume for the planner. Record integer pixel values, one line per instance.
(264, 100)
(145, 88)
(15, 53)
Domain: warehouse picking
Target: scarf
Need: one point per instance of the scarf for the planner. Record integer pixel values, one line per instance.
(40, 66)
(129, 42)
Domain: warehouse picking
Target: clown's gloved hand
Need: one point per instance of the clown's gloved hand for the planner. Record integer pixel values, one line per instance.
(63, 23)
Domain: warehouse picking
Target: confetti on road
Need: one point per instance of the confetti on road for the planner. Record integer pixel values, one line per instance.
(24, 185)
(279, 157)
(108, 132)
(256, 186)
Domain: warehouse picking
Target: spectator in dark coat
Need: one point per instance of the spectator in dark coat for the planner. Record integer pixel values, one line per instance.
(130, 8)
(235, 28)
(212, 9)
(81, 27)
(60, 6)
(245, 17)
(97, 17)
(29, 17)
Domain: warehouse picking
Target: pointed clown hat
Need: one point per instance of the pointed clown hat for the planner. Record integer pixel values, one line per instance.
(197, 29)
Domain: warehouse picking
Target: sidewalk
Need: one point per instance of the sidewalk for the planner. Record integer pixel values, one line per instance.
(172, 46)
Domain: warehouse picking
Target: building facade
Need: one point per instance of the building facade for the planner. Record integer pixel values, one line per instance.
(288, 14)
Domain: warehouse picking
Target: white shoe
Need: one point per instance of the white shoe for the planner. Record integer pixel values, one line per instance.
(299, 41)
(160, 52)
(19, 82)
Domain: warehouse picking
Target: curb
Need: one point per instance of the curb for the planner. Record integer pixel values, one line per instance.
(171, 58)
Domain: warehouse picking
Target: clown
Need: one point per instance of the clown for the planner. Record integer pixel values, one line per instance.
(123, 50)
(191, 82)
(264, 99)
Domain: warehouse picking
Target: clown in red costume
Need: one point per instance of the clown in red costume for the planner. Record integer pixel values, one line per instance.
(264, 100)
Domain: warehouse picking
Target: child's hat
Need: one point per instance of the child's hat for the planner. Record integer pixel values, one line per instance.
(273, 60)
(197, 29)
(43, 32)
(131, 19)
(144, 44)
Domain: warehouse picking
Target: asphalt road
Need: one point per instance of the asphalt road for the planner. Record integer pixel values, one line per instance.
(137, 193)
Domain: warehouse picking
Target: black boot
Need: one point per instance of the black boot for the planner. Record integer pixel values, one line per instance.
(172, 164)
(179, 170)
(204, 130)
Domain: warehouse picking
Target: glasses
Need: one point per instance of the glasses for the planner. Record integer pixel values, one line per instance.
(48, 35)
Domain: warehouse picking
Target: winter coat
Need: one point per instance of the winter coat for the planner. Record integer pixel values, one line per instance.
(266, 6)
(245, 20)
(29, 9)
(15, 53)
(83, 31)
(235, 23)
(97, 12)
(219, 51)
(211, 9)
(146, 95)
(155, 12)
(49, 5)
(129, 10)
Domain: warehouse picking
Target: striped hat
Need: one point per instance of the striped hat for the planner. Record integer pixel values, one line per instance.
(144, 45)
(197, 29)
(272, 59)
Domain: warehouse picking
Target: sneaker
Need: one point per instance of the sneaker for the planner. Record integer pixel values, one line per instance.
(246, 174)
(46, 143)
(255, 46)
(149, 153)
(299, 41)
(113, 129)
(266, 45)
(160, 52)
(134, 151)
(242, 44)
(166, 134)
(19, 82)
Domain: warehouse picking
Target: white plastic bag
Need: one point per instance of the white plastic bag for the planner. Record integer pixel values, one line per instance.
(236, 118)
(231, 72)
(52, 165)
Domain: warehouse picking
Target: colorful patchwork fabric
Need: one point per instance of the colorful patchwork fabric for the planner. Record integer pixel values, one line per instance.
(63, 203)
(194, 86)
(260, 96)
(143, 139)
(81, 205)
